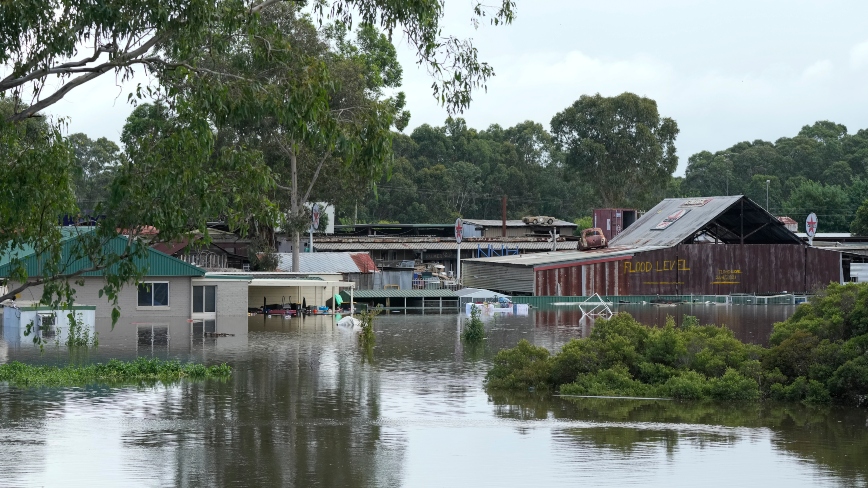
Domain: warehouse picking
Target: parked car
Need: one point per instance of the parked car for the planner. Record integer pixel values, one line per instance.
(592, 238)
(538, 220)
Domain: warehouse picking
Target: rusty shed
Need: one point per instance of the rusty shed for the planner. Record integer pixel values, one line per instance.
(682, 246)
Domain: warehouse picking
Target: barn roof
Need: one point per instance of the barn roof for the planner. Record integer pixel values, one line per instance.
(729, 220)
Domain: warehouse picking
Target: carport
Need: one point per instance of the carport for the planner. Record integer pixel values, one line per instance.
(312, 291)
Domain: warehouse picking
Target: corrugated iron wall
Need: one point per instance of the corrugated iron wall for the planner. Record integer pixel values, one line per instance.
(698, 269)
(498, 277)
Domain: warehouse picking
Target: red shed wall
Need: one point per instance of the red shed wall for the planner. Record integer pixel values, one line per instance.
(698, 269)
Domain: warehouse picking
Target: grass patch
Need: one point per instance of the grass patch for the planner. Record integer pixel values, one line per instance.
(141, 370)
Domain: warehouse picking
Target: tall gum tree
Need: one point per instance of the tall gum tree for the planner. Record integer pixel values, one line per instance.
(50, 47)
(620, 145)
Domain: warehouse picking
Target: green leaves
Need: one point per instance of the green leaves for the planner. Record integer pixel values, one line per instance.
(620, 145)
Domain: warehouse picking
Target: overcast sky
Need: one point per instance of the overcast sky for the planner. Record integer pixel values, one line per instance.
(726, 71)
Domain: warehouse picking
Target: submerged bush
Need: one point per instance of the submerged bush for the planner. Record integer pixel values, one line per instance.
(819, 355)
(112, 372)
(474, 331)
(520, 368)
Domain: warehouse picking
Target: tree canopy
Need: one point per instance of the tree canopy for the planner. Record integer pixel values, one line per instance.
(620, 145)
(192, 151)
(822, 169)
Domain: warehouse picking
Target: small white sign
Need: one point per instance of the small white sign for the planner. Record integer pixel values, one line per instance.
(459, 229)
(811, 225)
(314, 215)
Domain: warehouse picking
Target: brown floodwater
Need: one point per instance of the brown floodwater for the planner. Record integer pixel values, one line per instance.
(305, 406)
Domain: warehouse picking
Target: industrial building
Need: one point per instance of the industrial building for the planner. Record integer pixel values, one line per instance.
(391, 245)
(683, 246)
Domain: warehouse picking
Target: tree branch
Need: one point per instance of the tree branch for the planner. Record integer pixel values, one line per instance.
(119, 62)
(315, 176)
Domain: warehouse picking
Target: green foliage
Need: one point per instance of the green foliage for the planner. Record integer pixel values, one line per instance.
(261, 255)
(474, 329)
(440, 173)
(583, 223)
(141, 370)
(620, 144)
(819, 170)
(523, 367)
(829, 202)
(225, 75)
(819, 355)
(367, 336)
(859, 225)
(625, 358)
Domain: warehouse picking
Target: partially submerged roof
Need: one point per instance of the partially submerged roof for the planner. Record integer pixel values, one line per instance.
(328, 262)
(730, 220)
(155, 263)
(423, 293)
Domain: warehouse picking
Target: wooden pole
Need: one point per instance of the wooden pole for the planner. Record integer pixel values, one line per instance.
(503, 216)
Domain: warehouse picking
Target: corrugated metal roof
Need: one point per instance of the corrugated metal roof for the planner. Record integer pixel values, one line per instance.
(676, 220)
(405, 294)
(561, 257)
(438, 246)
(154, 262)
(514, 223)
(364, 262)
(328, 262)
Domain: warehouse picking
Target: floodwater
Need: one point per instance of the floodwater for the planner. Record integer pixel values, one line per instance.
(306, 406)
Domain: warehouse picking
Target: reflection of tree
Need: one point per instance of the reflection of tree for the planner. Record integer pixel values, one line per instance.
(302, 410)
(832, 437)
(298, 417)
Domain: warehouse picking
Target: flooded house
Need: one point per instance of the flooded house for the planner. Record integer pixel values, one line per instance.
(174, 301)
(683, 246)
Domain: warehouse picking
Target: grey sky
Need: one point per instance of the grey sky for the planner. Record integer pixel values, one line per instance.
(726, 71)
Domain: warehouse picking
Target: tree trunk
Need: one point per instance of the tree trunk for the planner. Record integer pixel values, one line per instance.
(293, 210)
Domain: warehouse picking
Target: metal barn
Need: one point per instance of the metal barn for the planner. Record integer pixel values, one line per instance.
(682, 246)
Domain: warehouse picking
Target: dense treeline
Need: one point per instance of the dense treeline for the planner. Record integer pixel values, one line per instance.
(440, 173)
(602, 151)
(823, 169)
(819, 355)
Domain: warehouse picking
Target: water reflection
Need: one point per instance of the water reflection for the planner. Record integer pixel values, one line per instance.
(304, 408)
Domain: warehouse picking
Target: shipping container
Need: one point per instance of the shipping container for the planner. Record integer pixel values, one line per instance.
(614, 220)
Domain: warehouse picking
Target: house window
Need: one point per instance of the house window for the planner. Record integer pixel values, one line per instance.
(154, 294)
(203, 327)
(152, 334)
(47, 325)
(205, 299)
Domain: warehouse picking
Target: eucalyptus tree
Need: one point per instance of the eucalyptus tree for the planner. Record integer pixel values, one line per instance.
(621, 145)
(178, 175)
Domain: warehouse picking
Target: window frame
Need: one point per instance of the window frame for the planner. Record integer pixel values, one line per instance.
(152, 306)
(204, 299)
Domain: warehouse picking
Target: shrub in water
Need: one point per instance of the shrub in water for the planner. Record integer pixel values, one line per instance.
(522, 367)
(818, 355)
(474, 331)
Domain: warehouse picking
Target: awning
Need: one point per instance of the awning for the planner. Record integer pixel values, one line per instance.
(279, 282)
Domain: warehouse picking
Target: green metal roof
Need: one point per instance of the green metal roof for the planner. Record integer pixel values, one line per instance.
(154, 262)
(403, 294)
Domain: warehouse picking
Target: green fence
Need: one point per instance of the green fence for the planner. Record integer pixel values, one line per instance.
(651, 299)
